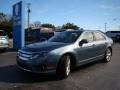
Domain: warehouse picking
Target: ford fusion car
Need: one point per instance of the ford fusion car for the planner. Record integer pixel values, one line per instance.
(64, 52)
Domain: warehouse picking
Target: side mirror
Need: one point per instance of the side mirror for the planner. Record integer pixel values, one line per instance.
(83, 41)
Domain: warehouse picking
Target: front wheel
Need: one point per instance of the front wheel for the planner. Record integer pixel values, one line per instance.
(63, 69)
(108, 55)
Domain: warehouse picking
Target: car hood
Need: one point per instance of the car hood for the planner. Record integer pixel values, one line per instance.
(43, 46)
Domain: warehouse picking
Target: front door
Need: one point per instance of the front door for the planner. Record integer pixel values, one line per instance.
(86, 51)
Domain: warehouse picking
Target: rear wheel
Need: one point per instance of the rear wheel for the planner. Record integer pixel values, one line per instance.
(63, 69)
(108, 55)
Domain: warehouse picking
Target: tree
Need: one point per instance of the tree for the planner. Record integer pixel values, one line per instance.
(6, 23)
(2, 15)
(70, 26)
(36, 24)
(48, 25)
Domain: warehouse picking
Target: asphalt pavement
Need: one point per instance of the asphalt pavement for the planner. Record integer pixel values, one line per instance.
(93, 76)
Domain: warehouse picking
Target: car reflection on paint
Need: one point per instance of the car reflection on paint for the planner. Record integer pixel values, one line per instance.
(65, 51)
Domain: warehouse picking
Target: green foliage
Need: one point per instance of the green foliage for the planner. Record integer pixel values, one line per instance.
(70, 26)
(48, 25)
(6, 23)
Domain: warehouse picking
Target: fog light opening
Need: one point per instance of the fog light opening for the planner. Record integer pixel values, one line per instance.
(50, 66)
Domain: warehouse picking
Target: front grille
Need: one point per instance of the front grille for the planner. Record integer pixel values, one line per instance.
(26, 66)
(25, 54)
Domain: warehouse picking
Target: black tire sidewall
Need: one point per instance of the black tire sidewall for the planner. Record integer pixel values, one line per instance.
(105, 59)
(61, 69)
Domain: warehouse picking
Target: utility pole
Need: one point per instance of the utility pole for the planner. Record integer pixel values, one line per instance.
(28, 10)
(105, 27)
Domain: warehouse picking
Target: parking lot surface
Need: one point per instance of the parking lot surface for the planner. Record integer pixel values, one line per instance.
(93, 76)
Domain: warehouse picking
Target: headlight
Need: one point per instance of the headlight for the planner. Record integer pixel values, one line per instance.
(43, 54)
(35, 56)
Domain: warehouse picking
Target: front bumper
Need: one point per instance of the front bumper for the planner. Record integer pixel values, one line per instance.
(33, 67)
(4, 46)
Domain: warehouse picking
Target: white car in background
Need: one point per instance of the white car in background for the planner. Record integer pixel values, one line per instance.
(4, 42)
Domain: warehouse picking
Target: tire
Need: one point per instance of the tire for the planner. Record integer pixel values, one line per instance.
(3, 50)
(63, 69)
(108, 55)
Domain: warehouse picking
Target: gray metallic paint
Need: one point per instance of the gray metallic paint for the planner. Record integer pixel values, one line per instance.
(83, 54)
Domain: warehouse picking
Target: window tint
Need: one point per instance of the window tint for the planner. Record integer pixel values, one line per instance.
(99, 36)
(88, 36)
(65, 37)
(2, 33)
(115, 31)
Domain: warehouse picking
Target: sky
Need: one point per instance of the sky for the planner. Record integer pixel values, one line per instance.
(87, 14)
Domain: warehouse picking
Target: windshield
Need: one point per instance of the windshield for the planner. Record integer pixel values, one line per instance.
(66, 37)
(2, 33)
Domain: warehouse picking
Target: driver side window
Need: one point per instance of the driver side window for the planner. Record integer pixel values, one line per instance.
(88, 36)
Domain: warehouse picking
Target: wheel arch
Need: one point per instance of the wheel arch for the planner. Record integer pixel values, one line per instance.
(72, 59)
(109, 47)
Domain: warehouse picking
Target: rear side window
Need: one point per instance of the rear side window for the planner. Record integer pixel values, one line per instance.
(98, 36)
(88, 36)
(2, 33)
(115, 31)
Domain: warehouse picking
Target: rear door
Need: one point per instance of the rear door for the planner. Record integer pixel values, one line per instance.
(100, 43)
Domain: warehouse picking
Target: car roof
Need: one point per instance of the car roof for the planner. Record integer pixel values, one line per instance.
(83, 31)
(74, 31)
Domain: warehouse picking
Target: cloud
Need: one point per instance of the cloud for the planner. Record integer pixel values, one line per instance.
(110, 7)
